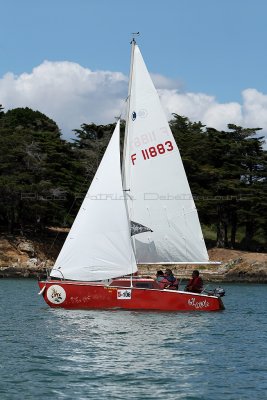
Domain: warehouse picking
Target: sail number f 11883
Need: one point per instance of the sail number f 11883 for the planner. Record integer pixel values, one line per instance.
(154, 151)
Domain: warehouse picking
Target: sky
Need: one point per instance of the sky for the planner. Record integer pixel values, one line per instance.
(70, 59)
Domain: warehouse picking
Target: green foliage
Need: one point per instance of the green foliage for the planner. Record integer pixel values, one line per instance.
(38, 171)
(44, 178)
(227, 174)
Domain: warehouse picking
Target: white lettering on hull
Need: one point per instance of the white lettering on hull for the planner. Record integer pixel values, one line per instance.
(198, 304)
(124, 294)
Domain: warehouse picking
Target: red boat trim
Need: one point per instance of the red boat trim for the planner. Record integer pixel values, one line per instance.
(120, 295)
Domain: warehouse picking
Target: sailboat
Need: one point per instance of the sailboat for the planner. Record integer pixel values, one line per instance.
(138, 212)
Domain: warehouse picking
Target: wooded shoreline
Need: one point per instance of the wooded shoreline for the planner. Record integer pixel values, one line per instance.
(44, 178)
(24, 258)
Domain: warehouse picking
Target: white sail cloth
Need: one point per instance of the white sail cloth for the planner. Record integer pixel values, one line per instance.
(160, 206)
(158, 193)
(98, 245)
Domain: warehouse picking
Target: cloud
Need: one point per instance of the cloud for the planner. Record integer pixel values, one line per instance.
(71, 95)
(67, 93)
(162, 82)
(255, 108)
(251, 113)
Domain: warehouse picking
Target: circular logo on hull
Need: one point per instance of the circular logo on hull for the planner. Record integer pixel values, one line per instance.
(56, 294)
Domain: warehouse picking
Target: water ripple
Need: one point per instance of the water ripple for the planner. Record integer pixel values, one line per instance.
(64, 354)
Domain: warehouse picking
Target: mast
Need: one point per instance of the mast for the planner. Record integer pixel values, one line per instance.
(133, 43)
(125, 189)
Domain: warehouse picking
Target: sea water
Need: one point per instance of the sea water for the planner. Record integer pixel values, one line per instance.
(62, 354)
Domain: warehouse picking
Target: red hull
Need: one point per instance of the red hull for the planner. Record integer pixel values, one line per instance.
(85, 295)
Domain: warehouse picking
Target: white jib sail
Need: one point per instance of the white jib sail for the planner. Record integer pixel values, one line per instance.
(158, 193)
(98, 245)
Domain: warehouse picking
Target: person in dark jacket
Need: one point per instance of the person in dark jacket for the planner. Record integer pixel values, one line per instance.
(169, 281)
(195, 284)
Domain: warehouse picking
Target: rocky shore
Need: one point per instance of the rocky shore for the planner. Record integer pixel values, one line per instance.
(24, 258)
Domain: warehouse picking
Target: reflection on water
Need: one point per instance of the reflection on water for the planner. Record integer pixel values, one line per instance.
(66, 354)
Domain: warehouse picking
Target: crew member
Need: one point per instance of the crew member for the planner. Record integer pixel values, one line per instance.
(169, 281)
(195, 284)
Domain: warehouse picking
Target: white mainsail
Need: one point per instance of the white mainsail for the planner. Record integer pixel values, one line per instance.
(158, 193)
(98, 245)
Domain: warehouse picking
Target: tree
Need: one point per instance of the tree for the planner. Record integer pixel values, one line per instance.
(37, 171)
(227, 175)
(43, 177)
(91, 143)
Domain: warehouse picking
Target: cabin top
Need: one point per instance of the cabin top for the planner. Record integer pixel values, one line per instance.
(145, 283)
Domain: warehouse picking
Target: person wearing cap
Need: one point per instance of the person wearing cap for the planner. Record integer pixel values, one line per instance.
(195, 284)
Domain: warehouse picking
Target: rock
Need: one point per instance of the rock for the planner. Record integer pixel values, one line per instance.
(27, 247)
(32, 263)
(255, 272)
(20, 257)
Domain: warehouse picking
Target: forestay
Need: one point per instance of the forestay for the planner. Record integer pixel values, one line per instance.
(98, 245)
(158, 193)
